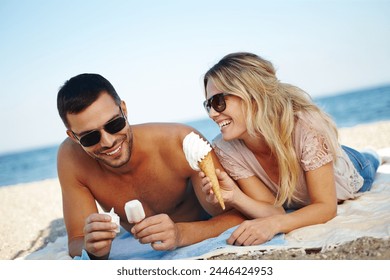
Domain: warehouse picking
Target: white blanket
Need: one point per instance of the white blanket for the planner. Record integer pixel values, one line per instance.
(367, 215)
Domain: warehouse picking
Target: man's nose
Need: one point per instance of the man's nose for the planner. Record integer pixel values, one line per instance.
(106, 139)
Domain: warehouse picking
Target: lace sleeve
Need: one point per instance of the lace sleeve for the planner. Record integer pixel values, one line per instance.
(232, 165)
(315, 150)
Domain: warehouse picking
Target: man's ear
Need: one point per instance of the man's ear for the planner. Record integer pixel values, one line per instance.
(124, 109)
(71, 136)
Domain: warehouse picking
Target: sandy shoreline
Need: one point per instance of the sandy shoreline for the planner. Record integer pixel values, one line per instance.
(32, 213)
(31, 217)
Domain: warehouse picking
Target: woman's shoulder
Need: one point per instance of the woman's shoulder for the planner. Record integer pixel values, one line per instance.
(234, 156)
(310, 123)
(233, 150)
(308, 119)
(311, 141)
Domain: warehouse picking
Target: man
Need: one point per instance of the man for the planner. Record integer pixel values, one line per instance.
(109, 161)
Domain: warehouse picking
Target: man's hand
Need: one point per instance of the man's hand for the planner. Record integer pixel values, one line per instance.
(159, 230)
(99, 232)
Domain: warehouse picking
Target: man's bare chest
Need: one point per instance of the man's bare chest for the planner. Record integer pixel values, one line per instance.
(158, 193)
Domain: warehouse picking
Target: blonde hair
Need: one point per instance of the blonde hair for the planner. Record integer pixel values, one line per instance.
(270, 108)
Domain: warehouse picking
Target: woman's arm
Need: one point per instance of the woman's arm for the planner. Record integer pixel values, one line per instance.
(323, 207)
(322, 191)
(252, 198)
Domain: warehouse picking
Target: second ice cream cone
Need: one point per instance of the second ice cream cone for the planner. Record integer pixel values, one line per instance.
(207, 166)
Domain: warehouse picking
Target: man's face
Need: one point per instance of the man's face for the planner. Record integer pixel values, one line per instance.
(113, 150)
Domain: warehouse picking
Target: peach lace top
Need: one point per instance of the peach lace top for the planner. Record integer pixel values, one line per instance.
(310, 146)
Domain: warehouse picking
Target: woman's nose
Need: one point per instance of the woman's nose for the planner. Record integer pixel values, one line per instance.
(213, 113)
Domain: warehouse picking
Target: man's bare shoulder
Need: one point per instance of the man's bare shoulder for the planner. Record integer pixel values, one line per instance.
(163, 130)
(71, 152)
(74, 164)
(164, 139)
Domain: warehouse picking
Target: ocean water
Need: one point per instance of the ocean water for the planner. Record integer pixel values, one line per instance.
(28, 166)
(348, 109)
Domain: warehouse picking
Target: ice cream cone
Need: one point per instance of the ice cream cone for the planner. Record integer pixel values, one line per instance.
(207, 166)
(198, 154)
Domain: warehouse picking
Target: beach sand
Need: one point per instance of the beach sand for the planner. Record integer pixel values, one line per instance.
(31, 217)
(31, 214)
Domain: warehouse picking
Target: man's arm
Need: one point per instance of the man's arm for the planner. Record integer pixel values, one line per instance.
(208, 229)
(78, 206)
(221, 220)
(163, 234)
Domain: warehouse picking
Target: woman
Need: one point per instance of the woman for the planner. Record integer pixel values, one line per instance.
(281, 150)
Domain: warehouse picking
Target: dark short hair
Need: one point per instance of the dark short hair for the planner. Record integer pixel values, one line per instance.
(80, 92)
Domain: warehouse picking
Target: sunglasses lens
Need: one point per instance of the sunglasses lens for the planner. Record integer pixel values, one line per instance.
(90, 139)
(115, 125)
(112, 127)
(218, 102)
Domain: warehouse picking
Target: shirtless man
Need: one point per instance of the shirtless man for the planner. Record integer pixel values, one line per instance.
(105, 159)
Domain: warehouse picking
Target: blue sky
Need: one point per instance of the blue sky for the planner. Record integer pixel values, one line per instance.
(155, 52)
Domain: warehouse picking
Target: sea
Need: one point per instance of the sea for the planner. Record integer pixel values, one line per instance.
(347, 109)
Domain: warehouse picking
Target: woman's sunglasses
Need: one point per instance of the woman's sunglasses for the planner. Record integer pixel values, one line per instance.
(112, 127)
(216, 101)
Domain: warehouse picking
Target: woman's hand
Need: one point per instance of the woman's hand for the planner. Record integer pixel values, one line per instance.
(254, 232)
(228, 187)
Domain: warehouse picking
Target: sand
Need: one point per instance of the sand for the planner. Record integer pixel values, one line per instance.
(31, 214)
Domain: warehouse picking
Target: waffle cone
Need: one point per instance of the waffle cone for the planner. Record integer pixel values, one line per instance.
(207, 166)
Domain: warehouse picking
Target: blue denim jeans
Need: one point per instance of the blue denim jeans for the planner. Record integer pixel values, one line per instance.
(366, 165)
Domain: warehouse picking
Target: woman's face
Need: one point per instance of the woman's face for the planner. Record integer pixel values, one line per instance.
(231, 121)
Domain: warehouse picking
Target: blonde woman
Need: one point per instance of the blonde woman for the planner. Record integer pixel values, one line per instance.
(281, 150)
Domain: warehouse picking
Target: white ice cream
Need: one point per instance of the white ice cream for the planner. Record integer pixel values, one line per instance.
(114, 219)
(195, 149)
(134, 211)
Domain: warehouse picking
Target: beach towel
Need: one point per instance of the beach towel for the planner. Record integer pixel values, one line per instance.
(366, 216)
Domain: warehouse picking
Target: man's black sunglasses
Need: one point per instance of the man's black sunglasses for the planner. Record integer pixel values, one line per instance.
(216, 101)
(112, 127)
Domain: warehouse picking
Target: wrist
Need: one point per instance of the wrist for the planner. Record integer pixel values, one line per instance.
(180, 242)
(277, 223)
(237, 197)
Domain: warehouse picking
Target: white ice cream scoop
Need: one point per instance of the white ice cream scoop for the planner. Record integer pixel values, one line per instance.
(134, 211)
(195, 149)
